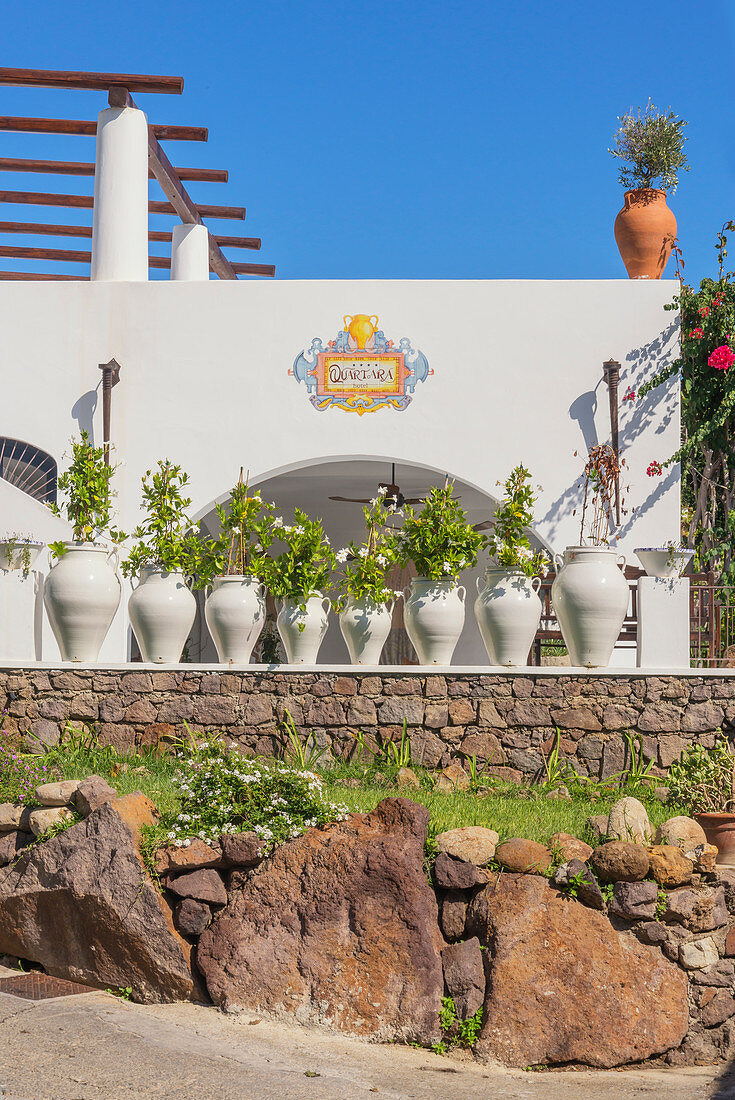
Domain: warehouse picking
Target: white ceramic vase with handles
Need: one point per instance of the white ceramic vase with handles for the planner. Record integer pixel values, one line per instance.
(81, 595)
(365, 626)
(235, 615)
(590, 598)
(508, 611)
(434, 617)
(302, 633)
(162, 612)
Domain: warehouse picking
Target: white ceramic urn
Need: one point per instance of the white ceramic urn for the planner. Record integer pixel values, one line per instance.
(590, 598)
(235, 615)
(81, 595)
(508, 611)
(434, 617)
(664, 561)
(162, 612)
(365, 626)
(303, 633)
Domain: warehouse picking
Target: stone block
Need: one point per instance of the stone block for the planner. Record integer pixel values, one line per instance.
(394, 709)
(464, 976)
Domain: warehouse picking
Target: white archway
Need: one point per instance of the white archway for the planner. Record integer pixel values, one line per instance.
(310, 486)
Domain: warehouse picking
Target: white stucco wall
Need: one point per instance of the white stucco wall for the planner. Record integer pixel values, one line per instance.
(517, 377)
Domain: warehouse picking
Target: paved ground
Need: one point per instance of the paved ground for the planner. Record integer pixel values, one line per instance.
(96, 1047)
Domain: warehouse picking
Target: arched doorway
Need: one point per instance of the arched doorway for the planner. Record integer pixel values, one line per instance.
(312, 488)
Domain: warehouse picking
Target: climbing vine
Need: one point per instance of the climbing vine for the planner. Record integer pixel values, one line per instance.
(707, 414)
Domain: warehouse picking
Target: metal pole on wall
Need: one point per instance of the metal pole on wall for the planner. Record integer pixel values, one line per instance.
(110, 378)
(611, 376)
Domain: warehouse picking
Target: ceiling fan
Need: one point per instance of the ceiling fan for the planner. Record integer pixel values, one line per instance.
(393, 498)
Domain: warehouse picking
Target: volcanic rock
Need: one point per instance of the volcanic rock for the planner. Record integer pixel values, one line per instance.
(193, 857)
(41, 820)
(81, 905)
(12, 844)
(628, 820)
(464, 976)
(634, 900)
(338, 926)
(56, 794)
(91, 793)
(669, 866)
(203, 885)
(681, 832)
(551, 962)
(578, 876)
(192, 917)
(241, 849)
(700, 910)
(472, 843)
(457, 874)
(620, 861)
(523, 856)
(569, 847)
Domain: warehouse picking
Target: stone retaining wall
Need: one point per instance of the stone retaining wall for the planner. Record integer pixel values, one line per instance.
(509, 720)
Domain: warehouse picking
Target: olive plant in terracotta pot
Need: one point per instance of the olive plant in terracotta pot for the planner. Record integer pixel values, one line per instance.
(650, 146)
(704, 781)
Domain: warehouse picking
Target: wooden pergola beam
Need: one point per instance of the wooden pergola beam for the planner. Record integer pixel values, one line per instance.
(238, 242)
(37, 276)
(66, 78)
(86, 202)
(182, 204)
(86, 168)
(89, 128)
(48, 230)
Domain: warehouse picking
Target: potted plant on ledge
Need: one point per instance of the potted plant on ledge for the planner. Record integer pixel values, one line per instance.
(508, 608)
(366, 602)
(651, 147)
(441, 543)
(18, 553)
(235, 607)
(165, 558)
(82, 590)
(590, 593)
(299, 578)
(703, 780)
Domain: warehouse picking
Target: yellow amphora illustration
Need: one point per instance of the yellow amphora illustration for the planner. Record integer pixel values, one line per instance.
(361, 327)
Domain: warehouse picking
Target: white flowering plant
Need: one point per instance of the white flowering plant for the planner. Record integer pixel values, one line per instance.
(364, 574)
(222, 792)
(439, 540)
(305, 566)
(246, 532)
(508, 542)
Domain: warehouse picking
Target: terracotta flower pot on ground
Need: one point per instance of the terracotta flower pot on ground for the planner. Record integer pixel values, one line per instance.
(645, 230)
(720, 831)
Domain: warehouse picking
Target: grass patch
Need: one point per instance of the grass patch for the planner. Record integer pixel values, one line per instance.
(512, 811)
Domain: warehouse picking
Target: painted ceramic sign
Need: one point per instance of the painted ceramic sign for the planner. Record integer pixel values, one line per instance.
(360, 371)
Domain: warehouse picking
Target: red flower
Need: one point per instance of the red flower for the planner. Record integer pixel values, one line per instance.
(629, 395)
(696, 334)
(655, 469)
(717, 300)
(704, 311)
(722, 358)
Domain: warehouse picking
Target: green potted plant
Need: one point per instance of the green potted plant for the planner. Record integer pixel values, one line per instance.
(650, 146)
(166, 558)
(81, 593)
(299, 577)
(441, 543)
(366, 601)
(703, 780)
(590, 593)
(508, 608)
(235, 607)
(18, 552)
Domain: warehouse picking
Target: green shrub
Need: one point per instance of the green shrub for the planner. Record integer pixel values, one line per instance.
(224, 792)
(704, 779)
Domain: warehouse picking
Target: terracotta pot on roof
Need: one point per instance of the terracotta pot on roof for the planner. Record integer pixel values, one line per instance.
(645, 231)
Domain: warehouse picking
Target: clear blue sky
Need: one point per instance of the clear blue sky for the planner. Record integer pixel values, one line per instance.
(396, 138)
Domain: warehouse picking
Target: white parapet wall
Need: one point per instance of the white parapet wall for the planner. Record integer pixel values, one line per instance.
(213, 378)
